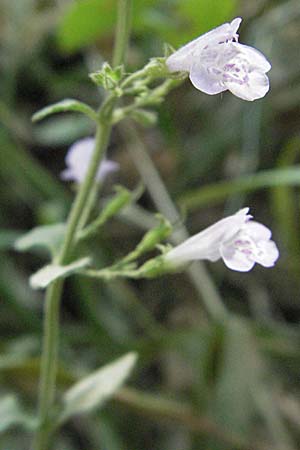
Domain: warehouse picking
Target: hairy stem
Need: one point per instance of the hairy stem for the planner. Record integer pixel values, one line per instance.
(53, 294)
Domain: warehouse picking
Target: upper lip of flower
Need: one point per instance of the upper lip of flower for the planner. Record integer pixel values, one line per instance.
(223, 33)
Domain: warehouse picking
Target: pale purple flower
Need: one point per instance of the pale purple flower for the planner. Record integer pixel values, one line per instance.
(237, 239)
(216, 61)
(78, 158)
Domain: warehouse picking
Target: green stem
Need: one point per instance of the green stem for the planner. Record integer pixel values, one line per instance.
(89, 206)
(162, 200)
(53, 294)
(122, 31)
(86, 188)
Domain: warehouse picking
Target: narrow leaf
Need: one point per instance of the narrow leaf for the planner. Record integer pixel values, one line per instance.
(95, 389)
(51, 272)
(218, 192)
(68, 104)
(48, 236)
(113, 206)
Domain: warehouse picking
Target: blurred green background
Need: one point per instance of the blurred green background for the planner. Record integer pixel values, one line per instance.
(200, 383)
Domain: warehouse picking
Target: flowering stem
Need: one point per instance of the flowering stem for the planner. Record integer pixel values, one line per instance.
(89, 206)
(162, 200)
(53, 294)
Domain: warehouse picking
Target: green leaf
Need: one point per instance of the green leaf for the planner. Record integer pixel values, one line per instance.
(108, 77)
(239, 373)
(93, 390)
(68, 104)
(51, 272)
(63, 130)
(284, 206)
(84, 21)
(218, 192)
(113, 206)
(144, 117)
(213, 13)
(269, 408)
(48, 236)
(11, 414)
(151, 239)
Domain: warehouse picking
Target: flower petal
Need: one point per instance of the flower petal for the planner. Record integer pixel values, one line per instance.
(268, 254)
(254, 56)
(106, 167)
(235, 259)
(257, 231)
(78, 159)
(80, 150)
(256, 87)
(182, 59)
(66, 174)
(204, 81)
(235, 24)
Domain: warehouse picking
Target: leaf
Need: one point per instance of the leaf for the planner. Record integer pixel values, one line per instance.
(239, 373)
(51, 272)
(93, 390)
(84, 21)
(36, 182)
(178, 22)
(48, 236)
(11, 414)
(269, 408)
(213, 13)
(63, 130)
(218, 192)
(112, 207)
(284, 206)
(68, 104)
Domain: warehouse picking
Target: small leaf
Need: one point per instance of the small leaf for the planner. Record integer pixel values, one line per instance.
(51, 272)
(150, 240)
(93, 390)
(48, 236)
(68, 104)
(11, 414)
(108, 77)
(121, 199)
(144, 117)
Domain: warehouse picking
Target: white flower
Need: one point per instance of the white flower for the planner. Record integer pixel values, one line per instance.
(238, 240)
(217, 62)
(78, 158)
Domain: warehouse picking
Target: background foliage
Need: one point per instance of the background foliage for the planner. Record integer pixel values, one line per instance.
(212, 385)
